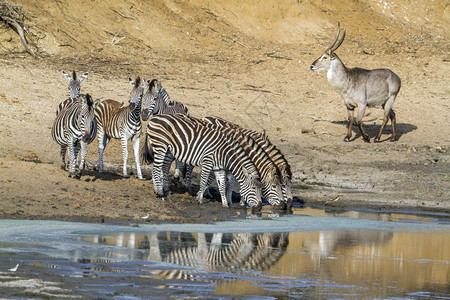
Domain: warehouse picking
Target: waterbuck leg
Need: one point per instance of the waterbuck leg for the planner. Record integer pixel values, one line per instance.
(385, 120)
(350, 124)
(359, 116)
(394, 125)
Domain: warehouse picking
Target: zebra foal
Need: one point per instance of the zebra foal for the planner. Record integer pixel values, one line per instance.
(74, 127)
(178, 137)
(124, 123)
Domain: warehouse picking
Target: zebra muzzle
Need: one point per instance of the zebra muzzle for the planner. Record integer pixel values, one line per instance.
(145, 114)
(86, 136)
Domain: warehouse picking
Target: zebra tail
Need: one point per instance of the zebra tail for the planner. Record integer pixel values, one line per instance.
(147, 152)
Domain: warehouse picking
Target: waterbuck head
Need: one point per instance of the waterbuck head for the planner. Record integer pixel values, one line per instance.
(136, 93)
(86, 115)
(74, 83)
(324, 62)
(150, 98)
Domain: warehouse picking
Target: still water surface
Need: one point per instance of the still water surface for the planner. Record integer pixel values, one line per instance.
(311, 254)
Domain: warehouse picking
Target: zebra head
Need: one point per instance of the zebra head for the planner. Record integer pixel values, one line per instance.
(150, 98)
(86, 116)
(271, 187)
(250, 188)
(74, 83)
(136, 94)
(286, 184)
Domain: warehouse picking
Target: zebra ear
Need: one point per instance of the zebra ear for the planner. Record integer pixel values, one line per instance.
(83, 77)
(131, 81)
(67, 76)
(96, 102)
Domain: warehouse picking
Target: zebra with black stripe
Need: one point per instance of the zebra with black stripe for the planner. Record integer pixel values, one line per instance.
(177, 137)
(283, 167)
(156, 101)
(74, 128)
(124, 123)
(271, 186)
(74, 88)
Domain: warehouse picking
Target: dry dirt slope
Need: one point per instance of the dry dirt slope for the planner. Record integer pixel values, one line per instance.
(247, 61)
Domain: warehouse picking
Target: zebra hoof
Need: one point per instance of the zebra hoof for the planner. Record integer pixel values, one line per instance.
(126, 176)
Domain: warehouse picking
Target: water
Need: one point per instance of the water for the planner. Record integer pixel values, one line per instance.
(311, 254)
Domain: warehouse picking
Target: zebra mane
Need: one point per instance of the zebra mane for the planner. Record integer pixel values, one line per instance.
(89, 101)
(137, 82)
(74, 75)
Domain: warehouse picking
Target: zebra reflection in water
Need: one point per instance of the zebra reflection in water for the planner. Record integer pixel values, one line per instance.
(223, 252)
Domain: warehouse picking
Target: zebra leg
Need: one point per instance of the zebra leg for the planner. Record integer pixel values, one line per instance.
(71, 157)
(124, 142)
(63, 157)
(230, 186)
(221, 178)
(135, 141)
(207, 166)
(179, 170)
(168, 159)
(103, 140)
(83, 158)
(157, 174)
(75, 153)
(160, 173)
(188, 179)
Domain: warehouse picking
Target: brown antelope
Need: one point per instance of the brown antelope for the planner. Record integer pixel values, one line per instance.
(360, 88)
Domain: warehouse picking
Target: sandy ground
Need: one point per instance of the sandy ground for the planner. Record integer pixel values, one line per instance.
(244, 62)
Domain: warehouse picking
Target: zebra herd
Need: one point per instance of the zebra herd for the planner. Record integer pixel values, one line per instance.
(221, 148)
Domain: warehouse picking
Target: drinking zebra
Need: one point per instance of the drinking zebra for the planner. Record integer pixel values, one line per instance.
(74, 127)
(284, 169)
(74, 88)
(156, 101)
(177, 137)
(271, 186)
(124, 123)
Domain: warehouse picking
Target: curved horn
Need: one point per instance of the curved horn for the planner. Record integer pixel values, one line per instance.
(339, 43)
(335, 38)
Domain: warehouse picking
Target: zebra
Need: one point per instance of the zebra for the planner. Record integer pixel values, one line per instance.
(284, 169)
(74, 127)
(124, 123)
(156, 101)
(74, 88)
(271, 186)
(178, 137)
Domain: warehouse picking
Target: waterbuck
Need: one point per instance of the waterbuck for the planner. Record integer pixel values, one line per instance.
(360, 88)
